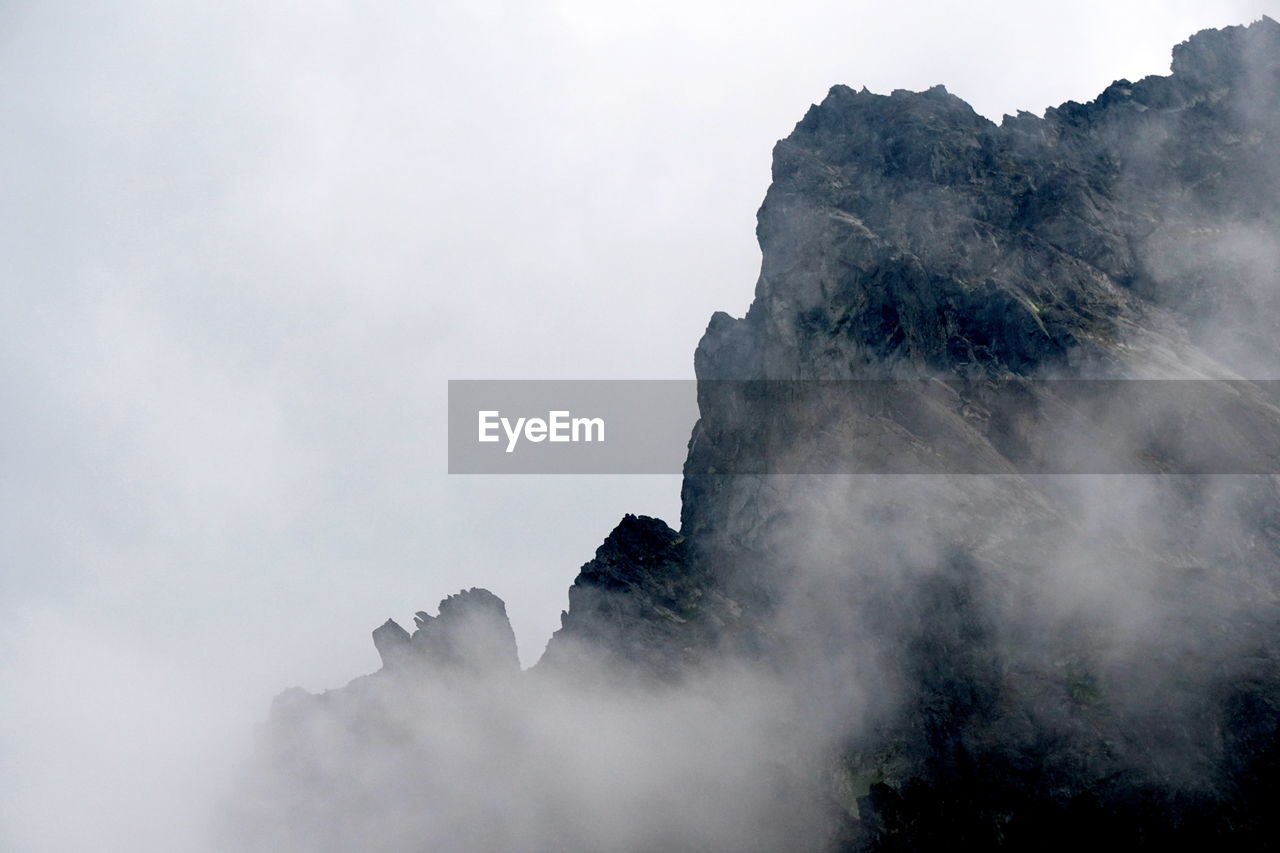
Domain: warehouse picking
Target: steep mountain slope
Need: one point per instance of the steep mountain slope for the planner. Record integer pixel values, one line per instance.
(937, 660)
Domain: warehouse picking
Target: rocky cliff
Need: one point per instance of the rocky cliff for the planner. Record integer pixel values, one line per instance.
(886, 662)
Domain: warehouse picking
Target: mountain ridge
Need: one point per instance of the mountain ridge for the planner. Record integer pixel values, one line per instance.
(963, 662)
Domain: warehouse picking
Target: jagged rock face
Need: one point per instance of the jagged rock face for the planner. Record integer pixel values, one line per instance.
(1063, 660)
(630, 604)
(906, 232)
(392, 643)
(981, 662)
(471, 634)
(905, 235)
(640, 606)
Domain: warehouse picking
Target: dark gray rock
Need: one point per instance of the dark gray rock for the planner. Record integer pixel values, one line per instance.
(640, 606)
(905, 236)
(471, 633)
(392, 643)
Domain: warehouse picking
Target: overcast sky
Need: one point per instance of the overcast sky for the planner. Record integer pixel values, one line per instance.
(245, 245)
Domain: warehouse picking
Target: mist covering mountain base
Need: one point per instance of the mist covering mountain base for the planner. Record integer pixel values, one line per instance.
(877, 663)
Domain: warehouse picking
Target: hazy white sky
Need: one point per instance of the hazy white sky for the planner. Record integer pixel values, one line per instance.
(245, 246)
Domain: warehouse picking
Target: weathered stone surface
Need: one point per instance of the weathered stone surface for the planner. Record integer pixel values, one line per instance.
(392, 643)
(1135, 236)
(641, 605)
(471, 633)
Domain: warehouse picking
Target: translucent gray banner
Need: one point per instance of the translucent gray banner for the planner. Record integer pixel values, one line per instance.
(864, 427)
(584, 426)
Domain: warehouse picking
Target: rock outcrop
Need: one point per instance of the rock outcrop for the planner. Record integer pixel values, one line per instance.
(641, 606)
(944, 662)
(471, 634)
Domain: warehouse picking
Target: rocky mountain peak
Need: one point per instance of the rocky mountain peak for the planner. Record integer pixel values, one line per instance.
(470, 634)
(1224, 57)
(907, 234)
